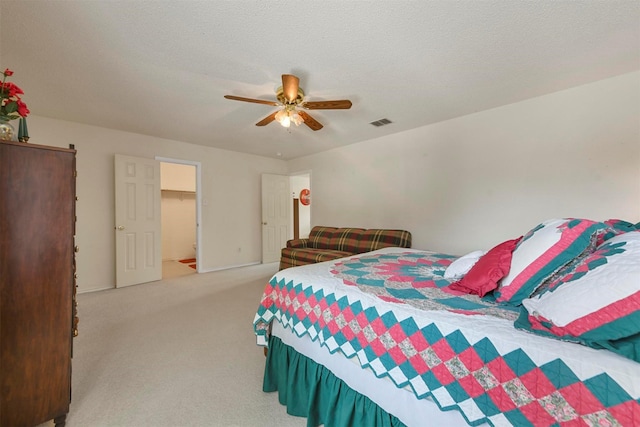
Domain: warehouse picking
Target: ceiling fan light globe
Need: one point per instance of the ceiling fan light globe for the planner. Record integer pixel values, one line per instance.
(282, 117)
(296, 118)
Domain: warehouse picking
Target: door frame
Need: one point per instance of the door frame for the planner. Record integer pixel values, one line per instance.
(198, 166)
(306, 173)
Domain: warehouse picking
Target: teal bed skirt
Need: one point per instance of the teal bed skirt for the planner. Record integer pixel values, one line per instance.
(310, 390)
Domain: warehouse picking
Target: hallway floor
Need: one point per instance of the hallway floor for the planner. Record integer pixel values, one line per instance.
(172, 268)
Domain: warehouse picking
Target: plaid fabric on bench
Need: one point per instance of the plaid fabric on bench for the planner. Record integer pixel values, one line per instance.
(327, 243)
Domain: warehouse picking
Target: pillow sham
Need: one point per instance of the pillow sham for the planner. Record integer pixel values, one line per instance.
(620, 225)
(483, 277)
(462, 265)
(543, 251)
(597, 303)
(616, 226)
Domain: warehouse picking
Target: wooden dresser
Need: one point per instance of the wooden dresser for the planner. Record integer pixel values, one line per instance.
(37, 282)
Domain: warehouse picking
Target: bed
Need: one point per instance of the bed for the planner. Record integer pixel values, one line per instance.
(540, 330)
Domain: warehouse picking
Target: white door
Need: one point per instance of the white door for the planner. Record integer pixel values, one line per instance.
(276, 212)
(137, 227)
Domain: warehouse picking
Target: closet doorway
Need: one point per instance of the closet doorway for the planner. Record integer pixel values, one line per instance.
(180, 217)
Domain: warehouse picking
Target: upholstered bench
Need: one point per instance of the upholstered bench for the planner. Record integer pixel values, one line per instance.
(327, 243)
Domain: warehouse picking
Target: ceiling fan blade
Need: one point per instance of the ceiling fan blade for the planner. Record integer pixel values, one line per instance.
(290, 86)
(271, 117)
(343, 104)
(310, 121)
(257, 101)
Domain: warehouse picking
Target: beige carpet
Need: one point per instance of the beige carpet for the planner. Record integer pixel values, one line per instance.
(174, 268)
(178, 352)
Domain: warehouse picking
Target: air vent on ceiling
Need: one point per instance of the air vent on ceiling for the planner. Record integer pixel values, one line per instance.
(381, 122)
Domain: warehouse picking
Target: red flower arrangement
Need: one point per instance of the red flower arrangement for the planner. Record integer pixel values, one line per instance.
(12, 107)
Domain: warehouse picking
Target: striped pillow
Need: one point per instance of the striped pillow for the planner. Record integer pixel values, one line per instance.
(597, 302)
(543, 251)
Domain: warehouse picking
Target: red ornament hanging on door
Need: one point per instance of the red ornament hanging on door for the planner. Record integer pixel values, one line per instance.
(305, 197)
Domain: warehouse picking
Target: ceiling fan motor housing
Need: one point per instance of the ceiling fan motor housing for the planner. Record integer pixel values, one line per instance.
(280, 96)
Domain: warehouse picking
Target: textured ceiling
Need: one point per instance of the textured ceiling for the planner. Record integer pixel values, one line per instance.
(161, 68)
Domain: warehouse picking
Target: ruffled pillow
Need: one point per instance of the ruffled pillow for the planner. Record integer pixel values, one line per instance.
(483, 277)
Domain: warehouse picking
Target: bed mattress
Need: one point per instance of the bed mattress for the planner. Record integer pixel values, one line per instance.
(388, 313)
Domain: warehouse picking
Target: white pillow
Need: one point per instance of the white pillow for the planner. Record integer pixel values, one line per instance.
(462, 265)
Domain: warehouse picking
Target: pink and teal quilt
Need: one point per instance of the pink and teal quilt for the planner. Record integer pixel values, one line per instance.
(392, 312)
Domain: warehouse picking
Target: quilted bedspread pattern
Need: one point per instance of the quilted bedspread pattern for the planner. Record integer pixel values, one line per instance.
(486, 380)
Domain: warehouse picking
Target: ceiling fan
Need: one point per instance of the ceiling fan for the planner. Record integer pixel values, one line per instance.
(291, 97)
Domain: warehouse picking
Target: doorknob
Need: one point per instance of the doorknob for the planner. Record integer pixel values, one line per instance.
(120, 227)
(264, 223)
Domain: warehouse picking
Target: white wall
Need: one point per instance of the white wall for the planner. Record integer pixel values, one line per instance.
(471, 182)
(230, 192)
(459, 185)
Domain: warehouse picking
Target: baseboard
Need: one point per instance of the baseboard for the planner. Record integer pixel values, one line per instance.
(86, 291)
(210, 270)
(229, 267)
